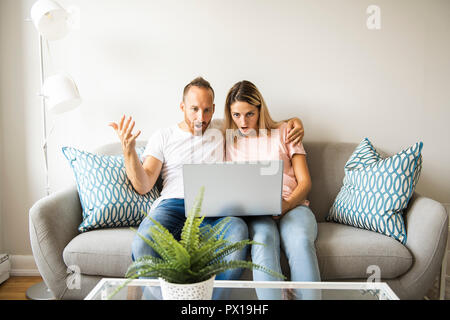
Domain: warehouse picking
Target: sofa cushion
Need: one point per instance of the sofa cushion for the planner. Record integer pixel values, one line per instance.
(326, 163)
(107, 196)
(105, 252)
(346, 252)
(375, 191)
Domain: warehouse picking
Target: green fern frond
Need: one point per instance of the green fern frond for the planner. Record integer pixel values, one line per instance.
(229, 249)
(171, 247)
(215, 231)
(201, 257)
(143, 262)
(222, 266)
(169, 273)
(154, 245)
(151, 259)
(190, 236)
(190, 232)
(121, 287)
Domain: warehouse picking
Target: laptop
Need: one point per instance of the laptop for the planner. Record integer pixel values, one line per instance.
(235, 188)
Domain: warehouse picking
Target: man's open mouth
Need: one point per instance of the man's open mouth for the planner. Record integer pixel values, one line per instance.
(199, 124)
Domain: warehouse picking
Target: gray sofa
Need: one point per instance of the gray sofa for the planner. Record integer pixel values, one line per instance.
(344, 252)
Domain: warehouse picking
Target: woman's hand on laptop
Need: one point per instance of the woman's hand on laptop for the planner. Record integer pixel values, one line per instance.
(125, 132)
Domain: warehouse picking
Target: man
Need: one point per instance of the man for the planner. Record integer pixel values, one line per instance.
(191, 140)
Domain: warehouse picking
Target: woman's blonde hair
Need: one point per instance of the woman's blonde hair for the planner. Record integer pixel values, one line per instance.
(245, 91)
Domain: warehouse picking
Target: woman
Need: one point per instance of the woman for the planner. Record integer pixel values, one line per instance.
(252, 135)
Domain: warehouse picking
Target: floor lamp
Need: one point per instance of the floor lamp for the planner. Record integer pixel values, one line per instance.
(58, 92)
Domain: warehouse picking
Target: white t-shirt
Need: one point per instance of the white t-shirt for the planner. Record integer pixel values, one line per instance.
(175, 147)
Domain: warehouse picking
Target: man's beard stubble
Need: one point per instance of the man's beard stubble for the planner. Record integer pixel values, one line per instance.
(197, 131)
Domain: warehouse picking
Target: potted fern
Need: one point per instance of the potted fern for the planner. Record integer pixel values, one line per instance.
(187, 268)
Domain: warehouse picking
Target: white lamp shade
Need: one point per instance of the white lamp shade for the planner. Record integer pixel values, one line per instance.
(50, 19)
(61, 93)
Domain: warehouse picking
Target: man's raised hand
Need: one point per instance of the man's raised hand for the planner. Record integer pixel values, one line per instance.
(125, 133)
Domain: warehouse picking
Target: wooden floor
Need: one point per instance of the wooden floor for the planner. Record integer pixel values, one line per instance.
(15, 288)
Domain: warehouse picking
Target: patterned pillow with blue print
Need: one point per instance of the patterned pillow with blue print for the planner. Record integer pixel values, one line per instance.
(375, 191)
(107, 197)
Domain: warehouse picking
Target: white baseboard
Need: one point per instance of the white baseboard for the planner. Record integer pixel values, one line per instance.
(22, 266)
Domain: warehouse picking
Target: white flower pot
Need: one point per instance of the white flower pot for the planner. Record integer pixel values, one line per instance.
(190, 291)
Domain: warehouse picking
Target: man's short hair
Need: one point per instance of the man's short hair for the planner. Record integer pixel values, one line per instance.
(200, 83)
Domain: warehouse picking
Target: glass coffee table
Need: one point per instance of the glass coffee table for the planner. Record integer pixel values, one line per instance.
(245, 290)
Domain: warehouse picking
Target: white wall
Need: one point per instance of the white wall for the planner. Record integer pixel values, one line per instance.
(312, 59)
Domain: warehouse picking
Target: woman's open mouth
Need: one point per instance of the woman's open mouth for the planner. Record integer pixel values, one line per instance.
(247, 131)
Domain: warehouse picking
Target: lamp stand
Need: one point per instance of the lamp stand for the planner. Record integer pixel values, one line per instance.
(40, 291)
(44, 116)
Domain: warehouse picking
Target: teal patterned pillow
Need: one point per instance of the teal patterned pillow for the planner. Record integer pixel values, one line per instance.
(107, 197)
(375, 191)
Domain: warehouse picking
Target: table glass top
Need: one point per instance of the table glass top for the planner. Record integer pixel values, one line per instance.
(149, 289)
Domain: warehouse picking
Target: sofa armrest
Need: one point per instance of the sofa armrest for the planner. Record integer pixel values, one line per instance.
(427, 232)
(53, 223)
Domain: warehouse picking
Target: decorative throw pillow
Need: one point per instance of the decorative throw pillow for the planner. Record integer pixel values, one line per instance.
(107, 197)
(375, 191)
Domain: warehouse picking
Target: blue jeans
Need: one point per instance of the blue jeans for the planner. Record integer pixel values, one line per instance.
(170, 213)
(298, 232)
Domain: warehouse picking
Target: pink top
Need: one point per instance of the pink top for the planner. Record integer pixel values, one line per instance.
(269, 148)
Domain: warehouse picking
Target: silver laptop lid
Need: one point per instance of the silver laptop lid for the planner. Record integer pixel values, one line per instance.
(235, 188)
